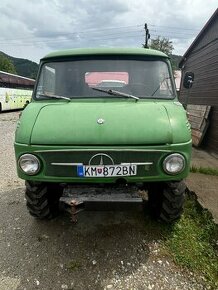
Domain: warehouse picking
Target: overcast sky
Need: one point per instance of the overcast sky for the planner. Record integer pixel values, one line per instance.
(31, 29)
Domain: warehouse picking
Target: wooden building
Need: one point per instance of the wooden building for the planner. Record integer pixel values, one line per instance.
(201, 58)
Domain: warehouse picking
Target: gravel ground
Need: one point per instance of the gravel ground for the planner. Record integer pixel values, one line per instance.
(104, 250)
(7, 165)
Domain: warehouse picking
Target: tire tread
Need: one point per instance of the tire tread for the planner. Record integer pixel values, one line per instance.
(166, 200)
(42, 200)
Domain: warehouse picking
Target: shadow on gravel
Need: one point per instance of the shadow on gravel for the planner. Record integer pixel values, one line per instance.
(101, 246)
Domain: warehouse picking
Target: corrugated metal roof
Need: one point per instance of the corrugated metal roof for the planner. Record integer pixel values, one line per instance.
(15, 79)
(13, 75)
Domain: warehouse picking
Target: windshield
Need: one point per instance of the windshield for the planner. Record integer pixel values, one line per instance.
(143, 78)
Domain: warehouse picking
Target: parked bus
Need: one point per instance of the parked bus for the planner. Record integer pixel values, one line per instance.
(15, 91)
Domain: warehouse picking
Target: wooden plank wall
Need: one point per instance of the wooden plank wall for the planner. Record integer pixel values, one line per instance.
(203, 62)
(204, 65)
(198, 118)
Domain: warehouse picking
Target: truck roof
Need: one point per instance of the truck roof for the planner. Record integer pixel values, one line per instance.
(104, 51)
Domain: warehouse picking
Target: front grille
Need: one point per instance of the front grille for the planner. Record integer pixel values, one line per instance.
(64, 163)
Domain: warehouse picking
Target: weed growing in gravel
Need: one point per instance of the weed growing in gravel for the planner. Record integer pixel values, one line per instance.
(193, 242)
(204, 170)
(73, 265)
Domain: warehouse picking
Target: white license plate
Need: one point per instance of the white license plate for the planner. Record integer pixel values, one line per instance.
(106, 170)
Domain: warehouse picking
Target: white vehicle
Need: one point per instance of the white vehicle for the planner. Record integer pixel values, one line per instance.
(15, 91)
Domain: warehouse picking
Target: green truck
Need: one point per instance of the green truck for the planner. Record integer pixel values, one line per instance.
(103, 122)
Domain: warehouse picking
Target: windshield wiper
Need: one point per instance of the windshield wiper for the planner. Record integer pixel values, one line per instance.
(166, 78)
(54, 96)
(115, 93)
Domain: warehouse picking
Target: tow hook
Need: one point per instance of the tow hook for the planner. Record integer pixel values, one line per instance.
(76, 207)
(73, 207)
(77, 199)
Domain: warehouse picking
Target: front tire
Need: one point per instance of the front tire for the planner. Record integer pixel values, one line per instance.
(42, 199)
(166, 200)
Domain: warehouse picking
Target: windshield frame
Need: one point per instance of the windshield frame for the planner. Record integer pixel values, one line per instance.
(166, 60)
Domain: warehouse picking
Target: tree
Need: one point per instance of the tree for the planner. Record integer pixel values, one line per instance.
(163, 44)
(6, 65)
(175, 60)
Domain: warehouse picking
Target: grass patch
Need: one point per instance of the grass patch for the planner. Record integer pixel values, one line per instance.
(73, 265)
(192, 242)
(204, 170)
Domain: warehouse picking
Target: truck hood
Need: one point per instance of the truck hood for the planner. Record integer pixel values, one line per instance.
(121, 123)
(112, 123)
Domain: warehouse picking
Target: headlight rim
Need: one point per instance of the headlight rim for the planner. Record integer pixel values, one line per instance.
(32, 156)
(167, 159)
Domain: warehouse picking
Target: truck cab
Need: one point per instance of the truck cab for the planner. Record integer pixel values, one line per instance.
(77, 132)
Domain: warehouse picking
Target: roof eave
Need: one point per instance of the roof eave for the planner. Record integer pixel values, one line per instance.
(197, 38)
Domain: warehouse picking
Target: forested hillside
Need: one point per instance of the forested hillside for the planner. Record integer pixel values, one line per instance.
(23, 67)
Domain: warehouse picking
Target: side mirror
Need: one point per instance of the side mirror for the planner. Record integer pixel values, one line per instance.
(188, 80)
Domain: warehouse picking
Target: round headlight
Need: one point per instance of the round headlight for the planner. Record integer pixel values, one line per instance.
(174, 163)
(29, 164)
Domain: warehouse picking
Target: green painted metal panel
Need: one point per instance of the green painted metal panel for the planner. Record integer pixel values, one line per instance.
(61, 131)
(82, 154)
(125, 123)
(104, 51)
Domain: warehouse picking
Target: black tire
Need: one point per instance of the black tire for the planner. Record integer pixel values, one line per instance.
(166, 200)
(42, 199)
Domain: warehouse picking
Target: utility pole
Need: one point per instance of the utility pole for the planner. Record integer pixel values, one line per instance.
(147, 36)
